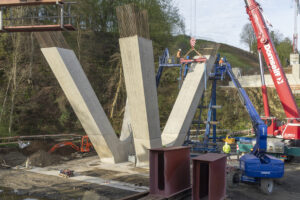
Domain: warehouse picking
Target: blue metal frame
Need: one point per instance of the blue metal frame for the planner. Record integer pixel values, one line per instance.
(257, 164)
(218, 74)
(164, 62)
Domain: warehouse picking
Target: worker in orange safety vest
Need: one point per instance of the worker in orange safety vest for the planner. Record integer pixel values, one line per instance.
(221, 61)
(178, 55)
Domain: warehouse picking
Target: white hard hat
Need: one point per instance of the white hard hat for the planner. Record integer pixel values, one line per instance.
(179, 49)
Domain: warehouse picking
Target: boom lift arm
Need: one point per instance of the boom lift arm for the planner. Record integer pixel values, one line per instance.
(266, 46)
(260, 128)
(257, 166)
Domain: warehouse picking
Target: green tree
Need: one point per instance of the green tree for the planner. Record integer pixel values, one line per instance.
(284, 49)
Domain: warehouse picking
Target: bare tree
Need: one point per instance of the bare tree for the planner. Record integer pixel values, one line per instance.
(248, 36)
(16, 40)
(17, 74)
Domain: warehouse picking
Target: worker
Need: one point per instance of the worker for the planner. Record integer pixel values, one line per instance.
(178, 55)
(226, 148)
(221, 61)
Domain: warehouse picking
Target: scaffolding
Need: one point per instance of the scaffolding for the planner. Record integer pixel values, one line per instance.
(35, 16)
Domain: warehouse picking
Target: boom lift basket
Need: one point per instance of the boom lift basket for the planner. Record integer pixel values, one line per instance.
(35, 15)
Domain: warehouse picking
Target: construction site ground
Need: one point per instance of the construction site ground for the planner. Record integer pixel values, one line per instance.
(95, 180)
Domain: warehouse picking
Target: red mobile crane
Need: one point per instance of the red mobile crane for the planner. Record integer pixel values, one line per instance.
(291, 129)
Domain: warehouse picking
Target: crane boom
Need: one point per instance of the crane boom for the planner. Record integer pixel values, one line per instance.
(265, 44)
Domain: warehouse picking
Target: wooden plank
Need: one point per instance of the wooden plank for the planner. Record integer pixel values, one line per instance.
(37, 28)
(28, 2)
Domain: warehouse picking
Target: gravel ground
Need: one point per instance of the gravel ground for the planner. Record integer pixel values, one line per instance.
(52, 187)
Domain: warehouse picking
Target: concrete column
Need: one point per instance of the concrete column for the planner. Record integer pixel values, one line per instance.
(186, 103)
(126, 131)
(294, 61)
(86, 105)
(138, 66)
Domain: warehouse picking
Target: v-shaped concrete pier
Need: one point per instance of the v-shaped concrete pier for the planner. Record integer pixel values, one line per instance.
(141, 126)
(86, 105)
(187, 102)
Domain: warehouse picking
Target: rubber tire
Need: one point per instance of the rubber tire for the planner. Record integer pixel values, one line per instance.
(289, 159)
(233, 179)
(267, 186)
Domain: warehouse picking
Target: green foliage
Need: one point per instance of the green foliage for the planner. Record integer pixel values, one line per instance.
(40, 104)
(64, 118)
(284, 49)
(283, 45)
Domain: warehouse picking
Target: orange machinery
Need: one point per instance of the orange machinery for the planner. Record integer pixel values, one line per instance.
(85, 145)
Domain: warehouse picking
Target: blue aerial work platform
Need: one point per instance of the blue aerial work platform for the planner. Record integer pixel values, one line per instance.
(257, 166)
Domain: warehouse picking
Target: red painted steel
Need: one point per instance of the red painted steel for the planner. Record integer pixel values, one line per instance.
(209, 177)
(28, 2)
(265, 44)
(169, 171)
(272, 125)
(196, 60)
(265, 100)
(37, 28)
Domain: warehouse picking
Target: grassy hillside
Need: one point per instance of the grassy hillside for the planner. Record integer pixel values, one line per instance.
(42, 108)
(248, 62)
(232, 119)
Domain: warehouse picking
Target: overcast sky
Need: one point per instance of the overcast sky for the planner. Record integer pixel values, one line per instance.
(222, 20)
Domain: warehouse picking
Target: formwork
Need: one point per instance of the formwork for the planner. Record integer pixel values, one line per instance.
(209, 177)
(169, 171)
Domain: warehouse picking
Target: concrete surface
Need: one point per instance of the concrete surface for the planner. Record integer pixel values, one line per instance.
(95, 180)
(293, 79)
(186, 103)
(41, 186)
(86, 105)
(126, 131)
(139, 72)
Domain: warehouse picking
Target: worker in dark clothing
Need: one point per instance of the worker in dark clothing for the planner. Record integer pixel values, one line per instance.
(178, 55)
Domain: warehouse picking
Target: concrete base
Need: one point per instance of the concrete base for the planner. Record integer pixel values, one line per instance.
(186, 103)
(293, 79)
(294, 61)
(138, 66)
(126, 132)
(85, 103)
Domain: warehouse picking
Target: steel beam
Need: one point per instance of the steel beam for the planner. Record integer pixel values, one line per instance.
(37, 28)
(28, 2)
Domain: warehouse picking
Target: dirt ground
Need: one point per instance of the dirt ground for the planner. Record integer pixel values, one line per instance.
(44, 183)
(51, 187)
(286, 188)
(37, 154)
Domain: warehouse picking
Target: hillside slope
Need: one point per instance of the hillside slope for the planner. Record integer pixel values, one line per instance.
(42, 108)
